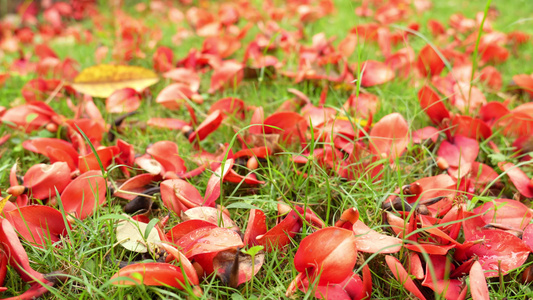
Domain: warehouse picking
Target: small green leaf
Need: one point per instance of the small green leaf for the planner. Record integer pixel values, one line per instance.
(253, 251)
(236, 296)
(242, 205)
(31, 117)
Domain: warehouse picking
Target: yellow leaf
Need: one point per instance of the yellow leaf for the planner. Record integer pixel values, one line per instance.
(3, 202)
(103, 80)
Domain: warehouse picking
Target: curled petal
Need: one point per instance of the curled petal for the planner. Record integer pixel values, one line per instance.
(154, 274)
(520, 180)
(375, 73)
(210, 124)
(256, 227)
(123, 101)
(90, 162)
(174, 95)
(181, 229)
(478, 283)
(402, 276)
(506, 212)
(500, 251)
(389, 136)
(429, 61)
(18, 258)
(211, 215)
(330, 253)
(166, 153)
(43, 179)
(38, 223)
(432, 104)
(135, 184)
(279, 236)
(179, 195)
(209, 240)
(84, 194)
(370, 241)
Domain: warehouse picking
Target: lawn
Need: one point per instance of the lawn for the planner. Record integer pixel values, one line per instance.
(389, 158)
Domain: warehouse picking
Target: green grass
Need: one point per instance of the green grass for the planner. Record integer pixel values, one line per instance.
(88, 255)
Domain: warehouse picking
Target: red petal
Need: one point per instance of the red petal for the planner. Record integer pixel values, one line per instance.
(461, 154)
(260, 152)
(89, 161)
(441, 267)
(84, 194)
(491, 77)
(350, 288)
(185, 76)
(467, 98)
(40, 145)
(506, 212)
(211, 215)
(367, 282)
(123, 101)
(435, 186)
(229, 74)
(166, 153)
(429, 62)
(362, 105)
(135, 184)
(127, 152)
(179, 195)
(18, 258)
(256, 227)
(43, 179)
(212, 192)
(280, 235)
(29, 116)
(91, 128)
(370, 241)
(430, 248)
(375, 73)
(38, 224)
(258, 117)
(401, 275)
(470, 127)
(181, 229)
(482, 175)
(426, 133)
(154, 274)
(235, 177)
(525, 82)
(186, 266)
(289, 124)
(527, 236)
(520, 180)
(210, 124)
(208, 240)
(329, 253)
(415, 266)
(174, 95)
(492, 112)
(389, 136)
(500, 251)
(162, 59)
(229, 106)
(167, 123)
(478, 283)
(432, 104)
